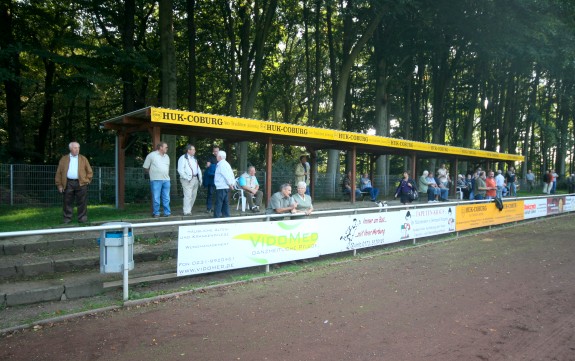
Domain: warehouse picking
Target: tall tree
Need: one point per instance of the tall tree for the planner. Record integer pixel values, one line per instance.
(10, 62)
(348, 60)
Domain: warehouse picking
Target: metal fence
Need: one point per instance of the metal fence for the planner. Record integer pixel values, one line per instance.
(22, 184)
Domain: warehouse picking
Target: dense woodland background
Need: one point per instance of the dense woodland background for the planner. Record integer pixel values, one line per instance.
(497, 75)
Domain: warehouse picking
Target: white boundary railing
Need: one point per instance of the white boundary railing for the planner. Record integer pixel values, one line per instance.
(533, 207)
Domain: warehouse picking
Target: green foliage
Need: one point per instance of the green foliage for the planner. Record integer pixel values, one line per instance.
(432, 64)
(29, 218)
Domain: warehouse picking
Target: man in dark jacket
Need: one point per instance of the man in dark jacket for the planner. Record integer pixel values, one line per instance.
(208, 181)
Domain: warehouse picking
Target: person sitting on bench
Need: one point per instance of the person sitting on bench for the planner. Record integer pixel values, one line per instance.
(346, 186)
(365, 186)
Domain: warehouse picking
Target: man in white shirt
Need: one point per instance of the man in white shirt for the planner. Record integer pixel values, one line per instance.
(530, 178)
(73, 175)
(250, 185)
(157, 165)
(224, 181)
(500, 183)
(190, 177)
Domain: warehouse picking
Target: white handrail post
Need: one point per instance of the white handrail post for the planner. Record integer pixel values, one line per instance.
(126, 267)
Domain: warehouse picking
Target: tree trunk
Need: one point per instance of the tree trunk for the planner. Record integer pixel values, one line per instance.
(127, 74)
(169, 80)
(12, 87)
(48, 111)
(191, 25)
(251, 86)
(318, 65)
(381, 110)
(344, 75)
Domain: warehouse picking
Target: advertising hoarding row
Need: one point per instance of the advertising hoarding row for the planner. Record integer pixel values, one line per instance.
(211, 248)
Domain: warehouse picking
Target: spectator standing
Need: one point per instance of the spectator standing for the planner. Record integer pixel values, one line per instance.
(73, 176)
(491, 186)
(470, 181)
(547, 182)
(282, 201)
(500, 184)
(190, 177)
(510, 177)
(571, 183)
(224, 181)
(365, 186)
(530, 178)
(249, 183)
(302, 172)
(443, 174)
(406, 185)
(157, 165)
(480, 186)
(208, 180)
(554, 183)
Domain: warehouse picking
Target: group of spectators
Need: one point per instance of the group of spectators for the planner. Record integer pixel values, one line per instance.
(482, 184)
(74, 174)
(365, 187)
(476, 185)
(550, 181)
(436, 187)
(219, 180)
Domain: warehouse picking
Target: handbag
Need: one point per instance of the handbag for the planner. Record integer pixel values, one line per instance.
(413, 195)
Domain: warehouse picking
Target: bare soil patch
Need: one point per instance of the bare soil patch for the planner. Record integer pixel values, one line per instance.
(504, 295)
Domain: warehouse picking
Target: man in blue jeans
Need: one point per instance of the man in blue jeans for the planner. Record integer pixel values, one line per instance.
(157, 165)
(224, 181)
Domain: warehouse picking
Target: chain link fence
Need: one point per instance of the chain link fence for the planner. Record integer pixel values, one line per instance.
(23, 184)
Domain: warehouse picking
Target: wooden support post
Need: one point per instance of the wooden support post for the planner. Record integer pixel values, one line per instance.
(121, 170)
(269, 152)
(353, 173)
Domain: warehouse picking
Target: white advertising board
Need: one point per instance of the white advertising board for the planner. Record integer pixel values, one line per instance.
(220, 247)
(349, 232)
(534, 208)
(432, 221)
(569, 204)
(211, 248)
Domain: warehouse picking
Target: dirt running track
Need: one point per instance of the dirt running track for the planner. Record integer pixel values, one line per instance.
(507, 295)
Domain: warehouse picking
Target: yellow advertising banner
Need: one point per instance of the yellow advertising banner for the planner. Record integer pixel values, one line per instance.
(485, 214)
(180, 117)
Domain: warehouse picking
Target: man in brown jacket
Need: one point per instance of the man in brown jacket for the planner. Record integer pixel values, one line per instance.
(72, 178)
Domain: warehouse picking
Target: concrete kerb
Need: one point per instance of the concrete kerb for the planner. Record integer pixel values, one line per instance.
(132, 303)
(58, 319)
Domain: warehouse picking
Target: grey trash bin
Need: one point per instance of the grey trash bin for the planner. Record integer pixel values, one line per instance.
(112, 249)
